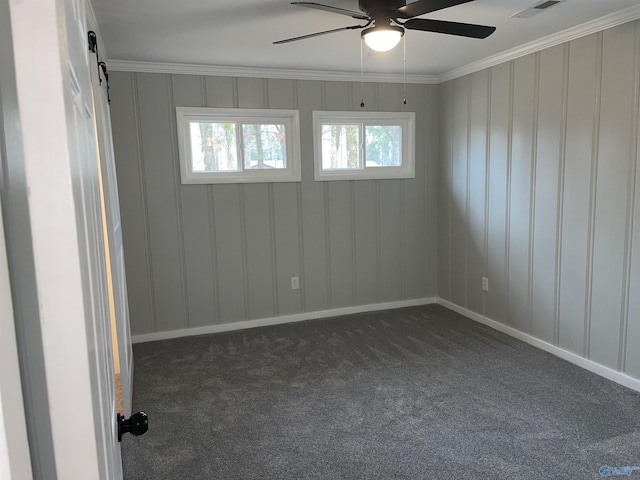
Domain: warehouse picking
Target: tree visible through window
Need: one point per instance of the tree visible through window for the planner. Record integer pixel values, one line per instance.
(264, 146)
(340, 146)
(383, 146)
(213, 147)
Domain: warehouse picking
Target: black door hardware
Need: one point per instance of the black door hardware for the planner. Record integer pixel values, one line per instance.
(137, 424)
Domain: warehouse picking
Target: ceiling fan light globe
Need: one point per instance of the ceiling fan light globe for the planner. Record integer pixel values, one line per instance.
(382, 39)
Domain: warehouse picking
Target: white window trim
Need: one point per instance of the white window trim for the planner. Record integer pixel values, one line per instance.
(406, 120)
(290, 118)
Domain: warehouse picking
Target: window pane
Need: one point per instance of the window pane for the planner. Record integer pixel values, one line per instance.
(383, 146)
(213, 147)
(264, 146)
(341, 147)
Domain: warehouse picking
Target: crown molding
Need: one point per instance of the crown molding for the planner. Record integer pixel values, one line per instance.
(597, 25)
(256, 72)
(608, 21)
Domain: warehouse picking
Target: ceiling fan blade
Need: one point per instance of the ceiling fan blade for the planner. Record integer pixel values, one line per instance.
(329, 8)
(311, 35)
(421, 7)
(450, 28)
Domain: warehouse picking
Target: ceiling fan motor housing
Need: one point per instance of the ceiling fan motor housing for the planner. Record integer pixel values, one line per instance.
(381, 11)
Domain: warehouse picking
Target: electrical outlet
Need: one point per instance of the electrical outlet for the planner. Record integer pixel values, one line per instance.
(485, 284)
(295, 283)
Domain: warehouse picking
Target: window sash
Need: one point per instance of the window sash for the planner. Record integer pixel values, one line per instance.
(405, 121)
(290, 144)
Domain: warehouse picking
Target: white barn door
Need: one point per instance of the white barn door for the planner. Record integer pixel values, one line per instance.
(62, 176)
(115, 250)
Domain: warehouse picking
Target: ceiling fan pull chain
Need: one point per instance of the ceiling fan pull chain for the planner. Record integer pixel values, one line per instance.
(361, 76)
(404, 70)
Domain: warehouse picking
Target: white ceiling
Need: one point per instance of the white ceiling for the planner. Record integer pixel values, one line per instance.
(240, 33)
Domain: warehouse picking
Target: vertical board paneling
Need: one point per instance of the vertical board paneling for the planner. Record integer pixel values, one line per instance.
(316, 274)
(226, 253)
(575, 235)
(611, 194)
(281, 93)
(561, 218)
(259, 250)
(219, 92)
(459, 207)
(391, 228)
(130, 173)
(498, 178)
(632, 357)
(477, 189)
(631, 352)
(164, 235)
(226, 216)
(337, 95)
(340, 216)
(228, 231)
(427, 177)
(187, 92)
(287, 245)
(390, 97)
(286, 208)
(518, 310)
(562, 223)
(444, 190)
(316, 281)
(341, 223)
(390, 240)
(251, 93)
(256, 214)
(420, 225)
(550, 103)
(367, 239)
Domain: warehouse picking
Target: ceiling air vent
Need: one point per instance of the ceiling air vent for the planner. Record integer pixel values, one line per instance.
(545, 5)
(537, 8)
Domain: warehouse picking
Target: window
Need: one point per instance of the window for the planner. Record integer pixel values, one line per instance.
(363, 145)
(235, 145)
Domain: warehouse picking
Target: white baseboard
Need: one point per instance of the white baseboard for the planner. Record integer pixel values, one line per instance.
(606, 372)
(262, 322)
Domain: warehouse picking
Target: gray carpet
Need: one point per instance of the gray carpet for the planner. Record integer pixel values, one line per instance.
(414, 393)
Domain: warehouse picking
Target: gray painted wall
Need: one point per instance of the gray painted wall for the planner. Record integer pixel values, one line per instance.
(200, 255)
(540, 193)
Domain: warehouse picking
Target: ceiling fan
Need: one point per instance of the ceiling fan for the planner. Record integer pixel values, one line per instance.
(387, 19)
